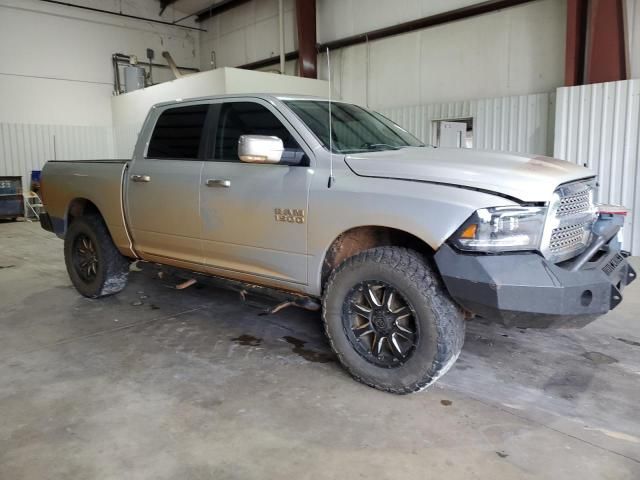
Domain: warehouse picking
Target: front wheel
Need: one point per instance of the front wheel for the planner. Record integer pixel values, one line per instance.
(390, 320)
(95, 266)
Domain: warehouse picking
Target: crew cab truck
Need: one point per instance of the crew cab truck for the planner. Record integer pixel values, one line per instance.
(398, 242)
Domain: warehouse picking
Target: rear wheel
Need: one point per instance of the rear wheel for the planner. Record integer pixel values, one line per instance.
(94, 264)
(390, 320)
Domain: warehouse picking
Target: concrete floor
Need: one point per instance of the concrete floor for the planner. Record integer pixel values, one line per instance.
(193, 384)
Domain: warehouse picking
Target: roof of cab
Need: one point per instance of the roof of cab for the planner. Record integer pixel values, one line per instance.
(264, 96)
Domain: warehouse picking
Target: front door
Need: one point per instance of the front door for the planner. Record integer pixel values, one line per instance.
(163, 188)
(254, 216)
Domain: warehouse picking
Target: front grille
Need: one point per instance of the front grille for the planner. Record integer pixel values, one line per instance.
(568, 238)
(569, 221)
(574, 204)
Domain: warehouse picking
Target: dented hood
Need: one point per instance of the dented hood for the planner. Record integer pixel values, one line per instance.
(528, 178)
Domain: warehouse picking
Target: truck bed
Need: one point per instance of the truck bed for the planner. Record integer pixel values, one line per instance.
(68, 183)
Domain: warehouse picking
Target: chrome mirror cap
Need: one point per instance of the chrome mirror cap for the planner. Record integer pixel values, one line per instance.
(260, 149)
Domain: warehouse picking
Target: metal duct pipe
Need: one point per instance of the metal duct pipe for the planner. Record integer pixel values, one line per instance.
(172, 65)
(116, 74)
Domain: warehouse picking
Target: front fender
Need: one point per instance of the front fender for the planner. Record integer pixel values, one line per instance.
(431, 212)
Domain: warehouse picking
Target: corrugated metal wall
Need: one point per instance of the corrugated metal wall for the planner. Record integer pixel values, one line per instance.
(599, 126)
(517, 124)
(27, 147)
(125, 139)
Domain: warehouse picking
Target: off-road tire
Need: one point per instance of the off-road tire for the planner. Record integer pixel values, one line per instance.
(112, 267)
(439, 319)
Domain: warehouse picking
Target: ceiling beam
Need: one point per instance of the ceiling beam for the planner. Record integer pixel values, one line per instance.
(217, 8)
(267, 62)
(462, 13)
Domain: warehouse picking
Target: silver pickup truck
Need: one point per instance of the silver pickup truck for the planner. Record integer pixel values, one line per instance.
(336, 207)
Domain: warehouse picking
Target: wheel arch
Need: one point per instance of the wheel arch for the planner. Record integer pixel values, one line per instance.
(79, 207)
(113, 220)
(357, 239)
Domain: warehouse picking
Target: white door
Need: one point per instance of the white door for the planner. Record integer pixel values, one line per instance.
(452, 134)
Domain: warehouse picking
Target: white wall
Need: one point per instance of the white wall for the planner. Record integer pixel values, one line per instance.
(343, 18)
(516, 51)
(56, 61)
(56, 76)
(247, 33)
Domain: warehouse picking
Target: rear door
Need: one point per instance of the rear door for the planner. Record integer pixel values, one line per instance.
(163, 187)
(254, 216)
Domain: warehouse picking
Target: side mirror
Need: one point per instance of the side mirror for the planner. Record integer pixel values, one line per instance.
(260, 149)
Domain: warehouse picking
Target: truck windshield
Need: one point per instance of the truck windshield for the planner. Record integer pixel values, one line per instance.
(354, 129)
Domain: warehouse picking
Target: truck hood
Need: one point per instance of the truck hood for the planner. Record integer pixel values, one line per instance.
(528, 178)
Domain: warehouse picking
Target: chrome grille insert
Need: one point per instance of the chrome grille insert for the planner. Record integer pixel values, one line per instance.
(569, 221)
(562, 238)
(574, 204)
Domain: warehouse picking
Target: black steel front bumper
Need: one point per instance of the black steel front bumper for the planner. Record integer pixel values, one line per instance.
(527, 291)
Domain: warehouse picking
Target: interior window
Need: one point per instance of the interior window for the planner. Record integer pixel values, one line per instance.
(247, 118)
(177, 133)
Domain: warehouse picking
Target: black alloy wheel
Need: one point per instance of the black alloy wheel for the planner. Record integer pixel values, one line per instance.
(85, 258)
(380, 324)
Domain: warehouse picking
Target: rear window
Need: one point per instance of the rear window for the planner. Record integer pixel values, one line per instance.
(178, 132)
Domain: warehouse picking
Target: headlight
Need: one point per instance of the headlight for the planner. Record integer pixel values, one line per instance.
(500, 229)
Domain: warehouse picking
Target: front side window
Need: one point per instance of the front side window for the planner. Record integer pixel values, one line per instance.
(354, 129)
(178, 132)
(247, 118)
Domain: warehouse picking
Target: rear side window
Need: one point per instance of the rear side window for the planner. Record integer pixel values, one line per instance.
(247, 118)
(178, 132)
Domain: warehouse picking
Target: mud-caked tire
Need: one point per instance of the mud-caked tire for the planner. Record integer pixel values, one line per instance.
(391, 321)
(95, 266)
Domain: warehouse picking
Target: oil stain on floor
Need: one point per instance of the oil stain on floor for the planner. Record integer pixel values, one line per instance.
(307, 354)
(247, 340)
(599, 358)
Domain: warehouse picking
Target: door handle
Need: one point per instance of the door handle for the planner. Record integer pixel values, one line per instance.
(141, 178)
(215, 182)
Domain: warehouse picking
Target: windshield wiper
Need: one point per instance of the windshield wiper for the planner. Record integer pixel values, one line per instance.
(372, 147)
(381, 146)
